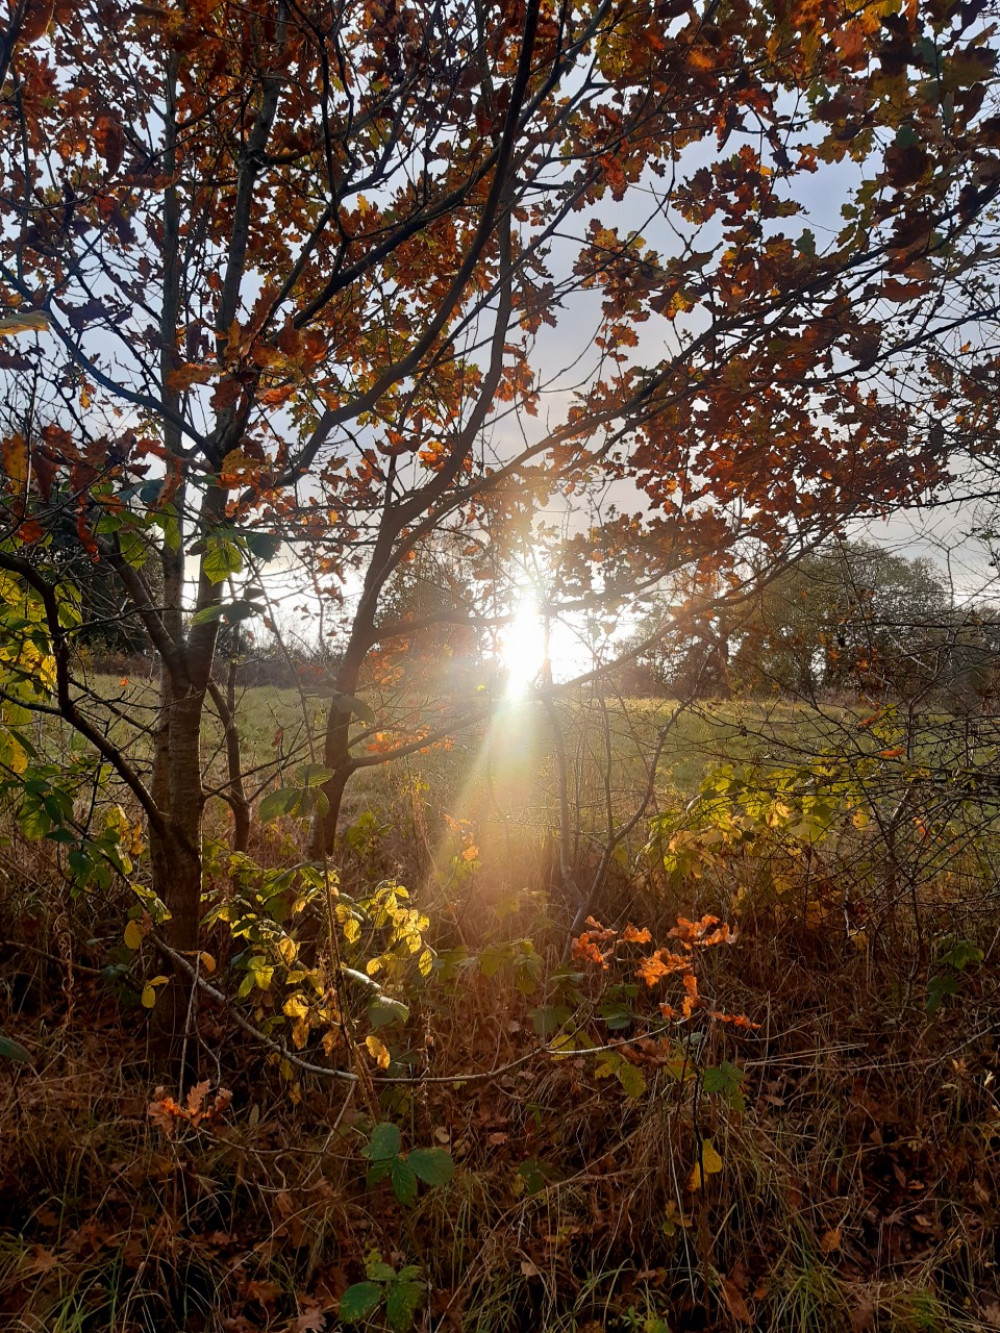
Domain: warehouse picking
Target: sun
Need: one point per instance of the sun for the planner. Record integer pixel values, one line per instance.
(523, 648)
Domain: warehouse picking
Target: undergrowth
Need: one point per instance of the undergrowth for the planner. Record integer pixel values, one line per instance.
(855, 1187)
(758, 1092)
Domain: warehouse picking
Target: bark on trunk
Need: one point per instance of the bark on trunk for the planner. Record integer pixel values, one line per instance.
(337, 758)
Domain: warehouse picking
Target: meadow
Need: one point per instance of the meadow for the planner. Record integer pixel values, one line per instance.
(648, 1122)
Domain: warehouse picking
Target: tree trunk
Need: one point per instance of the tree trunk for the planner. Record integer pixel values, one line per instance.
(337, 758)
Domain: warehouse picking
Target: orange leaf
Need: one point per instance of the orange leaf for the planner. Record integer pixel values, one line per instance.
(192, 372)
(734, 1299)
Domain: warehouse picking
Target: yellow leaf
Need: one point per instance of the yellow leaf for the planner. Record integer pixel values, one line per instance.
(133, 935)
(14, 456)
(287, 950)
(378, 1051)
(148, 996)
(330, 1041)
(860, 819)
(30, 320)
(295, 1007)
(207, 962)
(709, 1163)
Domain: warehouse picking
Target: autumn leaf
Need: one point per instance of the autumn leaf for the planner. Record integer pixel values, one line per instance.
(709, 1163)
(736, 1301)
(134, 935)
(190, 374)
(32, 321)
(378, 1050)
(661, 964)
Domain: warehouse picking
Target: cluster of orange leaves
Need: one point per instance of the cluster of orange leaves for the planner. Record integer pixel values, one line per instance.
(168, 1114)
(598, 945)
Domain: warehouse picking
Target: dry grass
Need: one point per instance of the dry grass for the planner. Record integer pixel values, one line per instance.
(858, 1188)
(859, 1179)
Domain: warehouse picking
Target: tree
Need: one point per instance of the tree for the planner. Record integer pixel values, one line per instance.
(346, 277)
(847, 616)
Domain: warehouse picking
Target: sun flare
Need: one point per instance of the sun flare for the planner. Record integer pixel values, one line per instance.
(523, 648)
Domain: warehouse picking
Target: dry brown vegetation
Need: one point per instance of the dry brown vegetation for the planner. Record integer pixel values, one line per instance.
(834, 1166)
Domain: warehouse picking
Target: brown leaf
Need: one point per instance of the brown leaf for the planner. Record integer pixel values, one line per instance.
(863, 1316)
(263, 1291)
(734, 1299)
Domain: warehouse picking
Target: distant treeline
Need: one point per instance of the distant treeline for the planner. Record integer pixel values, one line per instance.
(851, 618)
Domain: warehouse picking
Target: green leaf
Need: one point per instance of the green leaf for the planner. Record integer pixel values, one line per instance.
(134, 549)
(359, 1301)
(632, 1079)
(285, 800)
(725, 1079)
(377, 1270)
(938, 990)
(534, 1175)
(402, 1303)
(383, 1011)
(377, 1172)
(222, 558)
(549, 1018)
(264, 545)
(166, 521)
(242, 609)
(616, 1015)
(313, 775)
(13, 1050)
(434, 1166)
(385, 1143)
(350, 703)
(961, 954)
(404, 1182)
(35, 822)
(207, 614)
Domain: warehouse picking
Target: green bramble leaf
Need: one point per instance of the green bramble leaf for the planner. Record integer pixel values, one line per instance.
(434, 1166)
(359, 1301)
(404, 1182)
(383, 1011)
(384, 1144)
(401, 1304)
(725, 1079)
